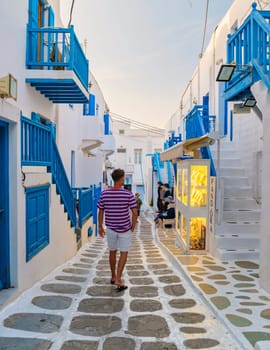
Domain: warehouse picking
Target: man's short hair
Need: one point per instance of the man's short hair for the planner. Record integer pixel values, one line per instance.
(117, 174)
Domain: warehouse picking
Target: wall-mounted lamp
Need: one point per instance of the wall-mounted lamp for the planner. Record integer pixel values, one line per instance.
(226, 70)
(249, 102)
(8, 87)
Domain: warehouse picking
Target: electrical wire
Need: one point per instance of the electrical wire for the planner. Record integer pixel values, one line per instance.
(70, 13)
(205, 24)
(136, 124)
(260, 4)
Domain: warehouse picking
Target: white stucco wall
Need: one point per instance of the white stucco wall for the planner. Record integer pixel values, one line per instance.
(262, 96)
(70, 129)
(62, 237)
(247, 129)
(133, 139)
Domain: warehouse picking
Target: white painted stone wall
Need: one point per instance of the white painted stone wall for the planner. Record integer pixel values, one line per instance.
(62, 237)
(250, 135)
(70, 126)
(247, 129)
(133, 139)
(262, 96)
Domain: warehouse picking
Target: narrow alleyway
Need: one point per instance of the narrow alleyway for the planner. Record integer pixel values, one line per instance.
(76, 307)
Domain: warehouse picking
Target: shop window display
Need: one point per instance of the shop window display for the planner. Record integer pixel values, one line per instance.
(192, 204)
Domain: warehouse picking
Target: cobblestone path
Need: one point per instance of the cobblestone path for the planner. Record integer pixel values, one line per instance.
(76, 307)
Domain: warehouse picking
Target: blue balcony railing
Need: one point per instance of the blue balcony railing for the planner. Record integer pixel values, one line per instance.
(56, 49)
(249, 48)
(198, 124)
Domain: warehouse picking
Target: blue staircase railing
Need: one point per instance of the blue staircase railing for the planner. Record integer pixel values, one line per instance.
(56, 48)
(34, 152)
(63, 187)
(249, 48)
(85, 204)
(156, 166)
(84, 199)
(96, 194)
(198, 124)
(38, 148)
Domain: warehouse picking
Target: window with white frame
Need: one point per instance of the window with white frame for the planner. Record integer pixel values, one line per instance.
(138, 156)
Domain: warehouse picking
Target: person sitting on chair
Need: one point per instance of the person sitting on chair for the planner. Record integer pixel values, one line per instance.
(168, 214)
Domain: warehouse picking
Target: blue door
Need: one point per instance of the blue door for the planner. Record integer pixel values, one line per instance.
(4, 208)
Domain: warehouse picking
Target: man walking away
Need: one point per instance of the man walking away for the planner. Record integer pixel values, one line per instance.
(116, 202)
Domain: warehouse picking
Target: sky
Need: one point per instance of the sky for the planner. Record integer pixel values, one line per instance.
(143, 52)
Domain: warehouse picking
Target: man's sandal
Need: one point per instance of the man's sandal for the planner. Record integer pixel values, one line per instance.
(121, 288)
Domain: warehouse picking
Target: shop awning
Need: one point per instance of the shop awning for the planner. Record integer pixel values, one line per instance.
(189, 145)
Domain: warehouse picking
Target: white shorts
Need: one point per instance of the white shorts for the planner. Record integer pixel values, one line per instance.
(118, 241)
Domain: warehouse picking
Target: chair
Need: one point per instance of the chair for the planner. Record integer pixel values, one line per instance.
(168, 222)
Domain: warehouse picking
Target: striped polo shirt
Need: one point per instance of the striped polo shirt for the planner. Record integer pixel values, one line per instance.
(116, 202)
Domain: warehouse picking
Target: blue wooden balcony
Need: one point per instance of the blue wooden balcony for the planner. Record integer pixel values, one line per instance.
(57, 66)
(248, 48)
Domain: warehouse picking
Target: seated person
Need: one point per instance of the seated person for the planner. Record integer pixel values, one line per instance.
(169, 213)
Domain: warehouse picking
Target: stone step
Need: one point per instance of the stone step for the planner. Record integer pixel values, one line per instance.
(225, 154)
(238, 228)
(232, 171)
(240, 204)
(241, 215)
(237, 254)
(228, 162)
(238, 192)
(235, 181)
(235, 241)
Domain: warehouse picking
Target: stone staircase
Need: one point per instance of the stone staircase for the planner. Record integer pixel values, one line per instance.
(237, 237)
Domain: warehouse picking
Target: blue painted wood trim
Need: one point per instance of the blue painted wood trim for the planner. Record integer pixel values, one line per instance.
(4, 207)
(85, 207)
(231, 125)
(106, 119)
(37, 220)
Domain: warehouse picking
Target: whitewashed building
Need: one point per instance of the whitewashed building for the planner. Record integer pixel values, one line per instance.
(241, 133)
(55, 133)
(136, 144)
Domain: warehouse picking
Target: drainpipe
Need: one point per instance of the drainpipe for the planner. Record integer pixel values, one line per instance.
(199, 79)
(219, 186)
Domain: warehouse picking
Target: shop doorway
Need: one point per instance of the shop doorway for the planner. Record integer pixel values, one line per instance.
(4, 207)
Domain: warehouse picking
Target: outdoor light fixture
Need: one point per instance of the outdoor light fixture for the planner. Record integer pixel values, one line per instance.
(8, 87)
(226, 70)
(249, 102)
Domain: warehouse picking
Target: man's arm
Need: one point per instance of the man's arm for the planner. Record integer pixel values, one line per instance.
(134, 212)
(100, 222)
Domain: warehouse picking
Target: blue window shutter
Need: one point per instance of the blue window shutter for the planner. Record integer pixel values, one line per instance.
(37, 220)
(90, 107)
(106, 119)
(86, 108)
(92, 102)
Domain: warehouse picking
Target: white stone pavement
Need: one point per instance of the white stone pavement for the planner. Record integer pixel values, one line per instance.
(169, 303)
